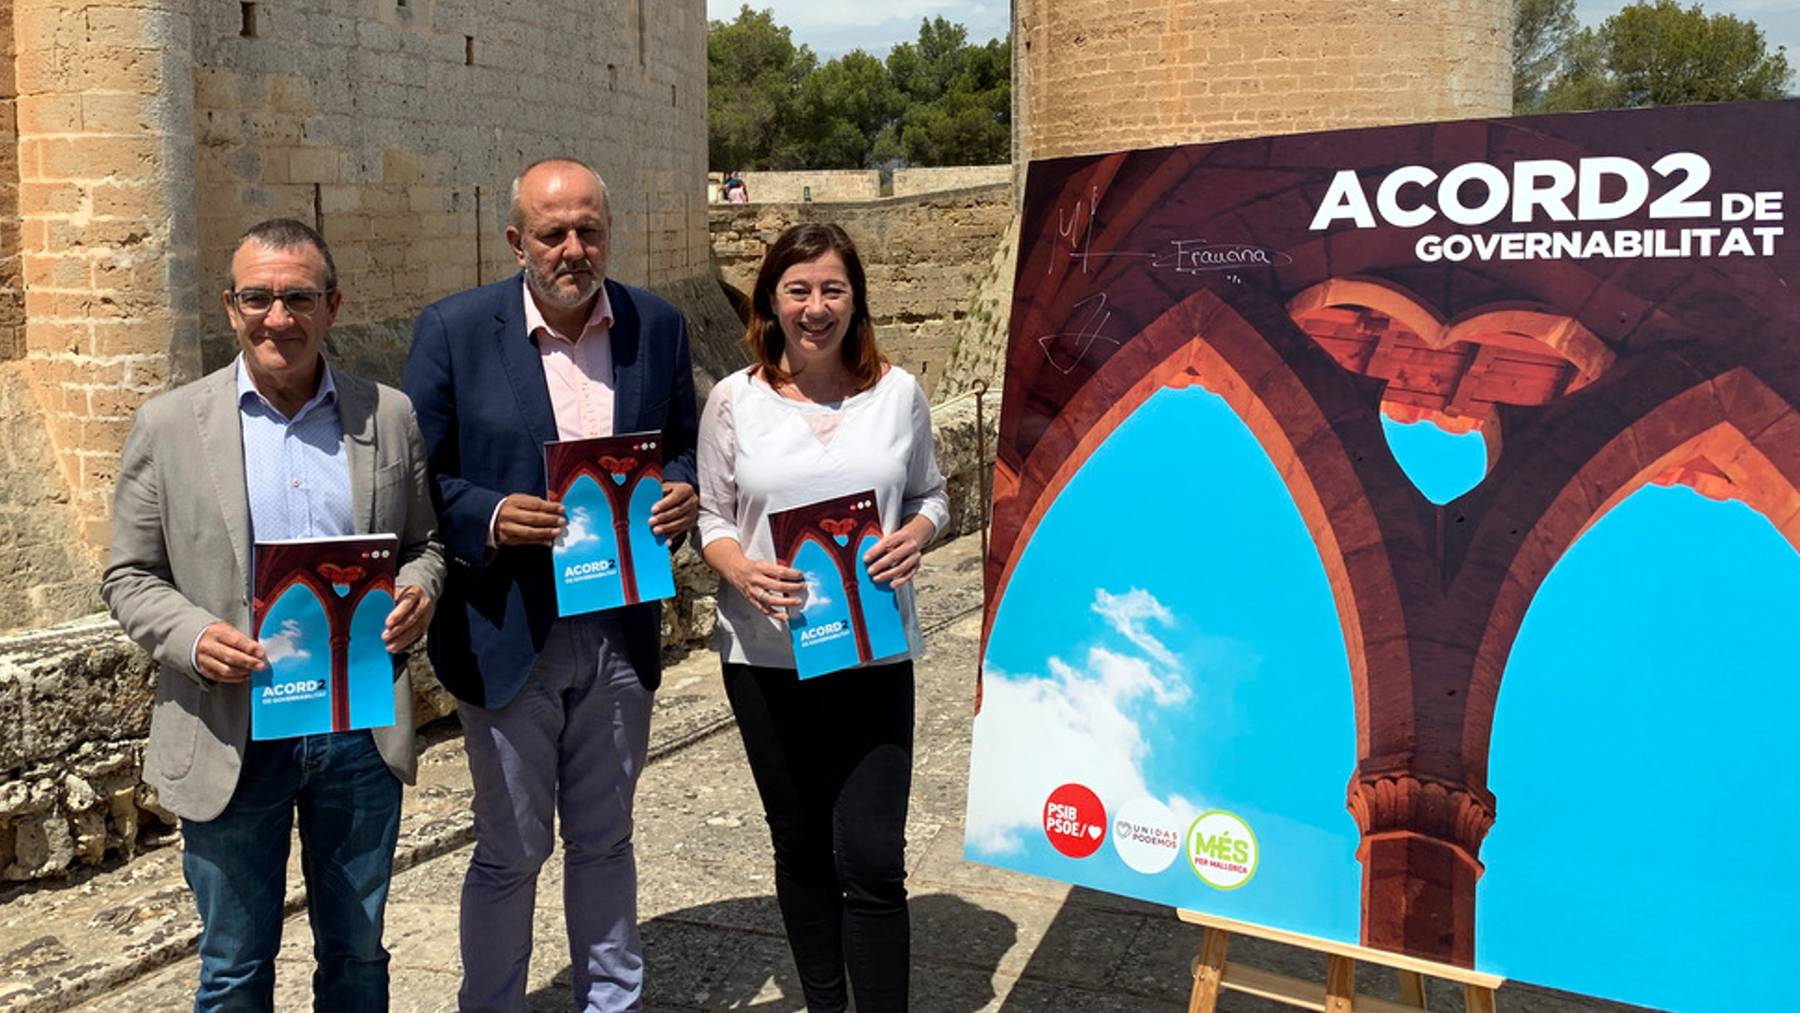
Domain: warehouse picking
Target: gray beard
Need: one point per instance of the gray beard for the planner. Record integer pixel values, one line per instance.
(548, 294)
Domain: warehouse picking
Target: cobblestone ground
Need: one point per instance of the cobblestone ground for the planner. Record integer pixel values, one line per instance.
(983, 939)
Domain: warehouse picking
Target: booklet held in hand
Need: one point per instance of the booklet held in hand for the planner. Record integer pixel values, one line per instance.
(607, 556)
(319, 609)
(846, 619)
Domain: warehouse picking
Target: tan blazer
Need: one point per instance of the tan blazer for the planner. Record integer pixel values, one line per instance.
(180, 561)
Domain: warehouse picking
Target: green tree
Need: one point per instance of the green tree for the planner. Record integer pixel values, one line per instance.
(842, 109)
(1541, 33)
(754, 74)
(969, 122)
(935, 101)
(923, 70)
(1658, 53)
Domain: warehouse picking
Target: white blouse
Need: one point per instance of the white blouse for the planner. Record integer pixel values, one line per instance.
(760, 452)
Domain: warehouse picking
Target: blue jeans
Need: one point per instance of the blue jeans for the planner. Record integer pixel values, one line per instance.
(236, 864)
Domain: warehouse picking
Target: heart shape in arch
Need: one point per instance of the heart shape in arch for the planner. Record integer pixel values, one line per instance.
(1444, 381)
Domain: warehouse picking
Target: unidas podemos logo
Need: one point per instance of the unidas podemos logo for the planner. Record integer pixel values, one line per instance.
(1222, 850)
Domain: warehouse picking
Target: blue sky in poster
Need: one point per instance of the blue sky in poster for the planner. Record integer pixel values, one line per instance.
(1441, 465)
(1171, 618)
(298, 643)
(1670, 625)
(823, 638)
(371, 666)
(1170, 633)
(587, 546)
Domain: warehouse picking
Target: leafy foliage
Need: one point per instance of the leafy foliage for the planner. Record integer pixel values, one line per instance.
(1651, 53)
(935, 101)
(1541, 33)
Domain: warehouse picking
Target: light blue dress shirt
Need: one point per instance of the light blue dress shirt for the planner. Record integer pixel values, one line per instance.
(296, 472)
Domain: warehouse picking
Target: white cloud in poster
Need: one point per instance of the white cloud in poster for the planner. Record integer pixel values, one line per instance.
(816, 598)
(286, 645)
(578, 531)
(1128, 614)
(1078, 723)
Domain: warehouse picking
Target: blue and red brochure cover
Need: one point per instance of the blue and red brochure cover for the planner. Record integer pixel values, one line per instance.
(607, 556)
(846, 619)
(319, 608)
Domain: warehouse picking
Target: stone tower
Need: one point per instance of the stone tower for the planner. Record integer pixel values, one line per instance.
(1100, 75)
(1107, 75)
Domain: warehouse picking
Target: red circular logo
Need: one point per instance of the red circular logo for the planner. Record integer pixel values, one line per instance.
(1074, 820)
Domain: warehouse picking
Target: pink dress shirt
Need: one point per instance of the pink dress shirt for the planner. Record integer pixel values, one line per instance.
(578, 370)
(579, 374)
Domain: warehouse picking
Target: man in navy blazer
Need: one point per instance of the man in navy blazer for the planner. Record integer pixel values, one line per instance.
(555, 712)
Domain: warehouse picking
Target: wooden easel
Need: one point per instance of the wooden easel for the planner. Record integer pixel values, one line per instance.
(1213, 973)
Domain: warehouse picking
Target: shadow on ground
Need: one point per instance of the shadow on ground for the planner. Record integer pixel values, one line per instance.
(733, 955)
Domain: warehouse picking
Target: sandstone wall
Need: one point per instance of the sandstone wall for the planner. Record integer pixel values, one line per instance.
(75, 698)
(105, 202)
(397, 128)
(827, 185)
(930, 179)
(924, 257)
(12, 285)
(138, 138)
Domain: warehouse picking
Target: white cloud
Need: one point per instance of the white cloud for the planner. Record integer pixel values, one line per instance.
(286, 644)
(816, 597)
(578, 531)
(1075, 724)
(1127, 613)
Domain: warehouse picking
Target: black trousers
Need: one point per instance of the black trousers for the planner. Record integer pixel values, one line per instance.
(832, 758)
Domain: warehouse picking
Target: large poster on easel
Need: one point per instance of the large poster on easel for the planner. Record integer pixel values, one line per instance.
(1394, 542)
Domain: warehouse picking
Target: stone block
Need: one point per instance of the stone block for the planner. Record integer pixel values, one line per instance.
(49, 113)
(116, 113)
(119, 68)
(130, 157)
(42, 846)
(313, 165)
(122, 27)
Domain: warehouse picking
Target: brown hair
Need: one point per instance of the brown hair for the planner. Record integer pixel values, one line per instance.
(763, 338)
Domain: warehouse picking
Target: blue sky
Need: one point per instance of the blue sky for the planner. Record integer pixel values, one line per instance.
(836, 28)
(832, 29)
(1175, 639)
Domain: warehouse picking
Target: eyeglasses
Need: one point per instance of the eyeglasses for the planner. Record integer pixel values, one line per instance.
(254, 302)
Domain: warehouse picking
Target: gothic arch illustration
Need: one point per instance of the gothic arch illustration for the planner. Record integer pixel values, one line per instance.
(617, 476)
(1588, 379)
(340, 609)
(847, 518)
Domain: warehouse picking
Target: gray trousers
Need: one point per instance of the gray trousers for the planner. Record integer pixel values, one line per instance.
(569, 747)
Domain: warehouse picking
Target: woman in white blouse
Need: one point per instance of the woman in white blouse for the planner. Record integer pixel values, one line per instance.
(820, 414)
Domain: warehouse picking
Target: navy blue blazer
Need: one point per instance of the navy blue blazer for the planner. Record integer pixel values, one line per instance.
(477, 384)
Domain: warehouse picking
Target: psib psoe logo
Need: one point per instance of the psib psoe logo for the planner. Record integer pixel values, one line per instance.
(1222, 850)
(1074, 820)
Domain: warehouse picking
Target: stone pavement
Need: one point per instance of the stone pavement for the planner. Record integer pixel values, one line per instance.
(983, 939)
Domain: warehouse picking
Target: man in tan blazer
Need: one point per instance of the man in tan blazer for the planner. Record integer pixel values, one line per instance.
(279, 444)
